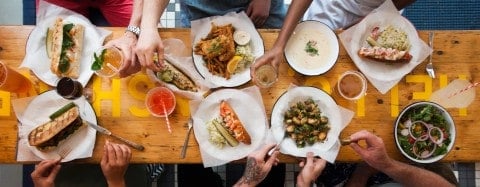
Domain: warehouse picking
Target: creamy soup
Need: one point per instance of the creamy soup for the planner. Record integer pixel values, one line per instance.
(310, 49)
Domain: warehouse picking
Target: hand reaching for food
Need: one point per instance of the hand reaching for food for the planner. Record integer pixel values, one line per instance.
(258, 166)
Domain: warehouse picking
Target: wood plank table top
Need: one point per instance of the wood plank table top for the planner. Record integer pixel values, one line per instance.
(119, 103)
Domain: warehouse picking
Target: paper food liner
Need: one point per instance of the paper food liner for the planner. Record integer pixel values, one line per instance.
(240, 21)
(185, 65)
(452, 95)
(383, 76)
(36, 56)
(338, 116)
(34, 111)
(248, 105)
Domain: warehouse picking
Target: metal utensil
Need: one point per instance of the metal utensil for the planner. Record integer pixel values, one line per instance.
(276, 147)
(429, 67)
(107, 132)
(185, 143)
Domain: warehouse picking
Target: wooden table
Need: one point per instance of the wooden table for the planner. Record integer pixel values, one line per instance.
(119, 103)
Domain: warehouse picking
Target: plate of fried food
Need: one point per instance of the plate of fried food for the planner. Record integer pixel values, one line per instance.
(52, 123)
(224, 47)
(307, 119)
(385, 46)
(229, 124)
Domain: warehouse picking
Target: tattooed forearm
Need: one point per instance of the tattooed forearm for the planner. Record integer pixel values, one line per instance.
(253, 173)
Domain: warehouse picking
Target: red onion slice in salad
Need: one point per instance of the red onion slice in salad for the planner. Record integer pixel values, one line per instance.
(418, 130)
(435, 138)
(423, 153)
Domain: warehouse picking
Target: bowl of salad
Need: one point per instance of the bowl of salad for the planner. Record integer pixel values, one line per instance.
(424, 132)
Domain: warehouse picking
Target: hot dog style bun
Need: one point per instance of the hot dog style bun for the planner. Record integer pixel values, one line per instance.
(47, 136)
(64, 45)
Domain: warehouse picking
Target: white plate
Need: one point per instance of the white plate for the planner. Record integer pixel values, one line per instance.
(327, 106)
(256, 44)
(327, 44)
(249, 112)
(45, 104)
(380, 70)
(36, 46)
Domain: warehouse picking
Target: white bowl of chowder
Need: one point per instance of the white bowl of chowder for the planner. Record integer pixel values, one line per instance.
(312, 48)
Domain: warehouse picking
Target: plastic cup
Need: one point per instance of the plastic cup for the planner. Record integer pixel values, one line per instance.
(352, 85)
(160, 101)
(112, 61)
(265, 76)
(13, 81)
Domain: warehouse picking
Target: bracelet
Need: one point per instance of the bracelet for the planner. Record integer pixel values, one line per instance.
(134, 29)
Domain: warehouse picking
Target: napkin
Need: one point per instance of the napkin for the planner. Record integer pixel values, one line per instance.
(27, 122)
(36, 57)
(173, 54)
(383, 76)
(240, 21)
(329, 154)
(209, 160)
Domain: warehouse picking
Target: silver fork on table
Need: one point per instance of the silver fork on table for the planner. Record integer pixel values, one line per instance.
(185, 143)
(429, 67)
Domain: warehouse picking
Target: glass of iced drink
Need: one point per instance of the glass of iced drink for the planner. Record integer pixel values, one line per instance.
(13, 81)
(107, 61)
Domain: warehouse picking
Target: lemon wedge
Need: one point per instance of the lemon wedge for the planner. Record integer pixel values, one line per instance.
(233, 63)
(241, 37)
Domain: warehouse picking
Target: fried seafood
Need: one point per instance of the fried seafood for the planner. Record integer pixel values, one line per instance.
(217, 49)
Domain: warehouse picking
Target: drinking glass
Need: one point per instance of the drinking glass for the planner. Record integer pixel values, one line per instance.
(69, 88)
(265, 76)
(160, 101)
(13, 81)
(352, 85)
(112, 61)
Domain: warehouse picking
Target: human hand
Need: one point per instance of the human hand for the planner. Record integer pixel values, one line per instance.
(374, 154)
(257, 168)
(126, 44)
(311, 169)
(45, 173)
(114, 163)
(274, 57)
(258, 11)
(148, 44)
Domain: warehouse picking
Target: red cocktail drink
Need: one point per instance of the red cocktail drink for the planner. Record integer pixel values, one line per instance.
(160, 101)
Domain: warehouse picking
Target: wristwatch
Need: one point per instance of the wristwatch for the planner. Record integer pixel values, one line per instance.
(134, 29)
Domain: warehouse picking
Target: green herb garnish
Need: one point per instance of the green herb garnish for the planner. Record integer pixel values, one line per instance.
(98, 61)
(311, 48)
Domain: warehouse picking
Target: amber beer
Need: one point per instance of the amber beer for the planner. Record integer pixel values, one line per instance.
(352, 85)
(265, 76)
(112, 61)
(13, 81)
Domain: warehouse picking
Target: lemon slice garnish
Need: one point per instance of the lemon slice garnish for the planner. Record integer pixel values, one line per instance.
(233, 63)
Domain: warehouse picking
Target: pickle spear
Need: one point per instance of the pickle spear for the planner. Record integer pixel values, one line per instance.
(224, 132)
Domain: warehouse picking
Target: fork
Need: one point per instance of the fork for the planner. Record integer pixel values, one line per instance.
(429, 67)
(64, 151)
(184, 148)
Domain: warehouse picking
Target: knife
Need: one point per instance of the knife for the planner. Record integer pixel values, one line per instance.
(107, 132)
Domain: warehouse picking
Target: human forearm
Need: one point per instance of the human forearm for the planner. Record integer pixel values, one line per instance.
(409, 175)
(294, 14)
(136, 17)
(154, 9)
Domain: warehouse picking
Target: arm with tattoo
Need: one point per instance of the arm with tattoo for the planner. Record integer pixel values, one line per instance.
(257, 167)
